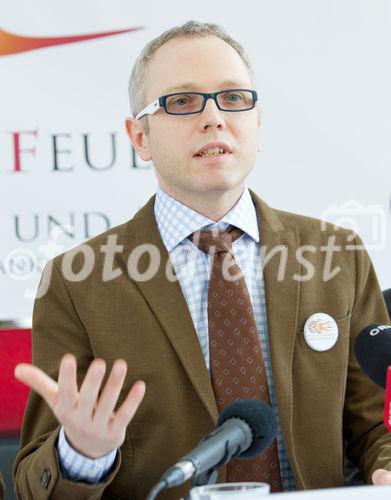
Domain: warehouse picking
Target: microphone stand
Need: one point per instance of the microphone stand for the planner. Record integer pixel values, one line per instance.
(206, 478)
(210, 476)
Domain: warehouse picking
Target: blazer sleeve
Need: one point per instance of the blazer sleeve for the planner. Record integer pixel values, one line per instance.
(2, 487)
(368, 442)
(57, 329)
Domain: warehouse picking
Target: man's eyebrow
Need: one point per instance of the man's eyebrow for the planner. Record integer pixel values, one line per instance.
(193, 86)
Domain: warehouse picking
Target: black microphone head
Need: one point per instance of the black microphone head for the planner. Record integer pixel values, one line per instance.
(260, 417)
(373, 351)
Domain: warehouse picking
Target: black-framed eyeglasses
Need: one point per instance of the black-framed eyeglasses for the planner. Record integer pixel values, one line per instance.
(188, 103)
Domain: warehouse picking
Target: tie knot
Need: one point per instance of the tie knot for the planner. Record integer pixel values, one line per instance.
(216, 241)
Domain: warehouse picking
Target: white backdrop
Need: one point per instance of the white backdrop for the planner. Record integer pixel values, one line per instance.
(323, 75)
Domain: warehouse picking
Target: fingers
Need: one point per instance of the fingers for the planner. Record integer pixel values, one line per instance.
(110, 393)
(67, 383)
(73, 407)
(37, 380)
(129, 407)
(381, 477)
(90, 387)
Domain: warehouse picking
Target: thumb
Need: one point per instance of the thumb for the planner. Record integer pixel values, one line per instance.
(381, 477)
(37, 380)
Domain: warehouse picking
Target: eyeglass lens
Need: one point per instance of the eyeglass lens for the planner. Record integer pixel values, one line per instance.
(233, 100)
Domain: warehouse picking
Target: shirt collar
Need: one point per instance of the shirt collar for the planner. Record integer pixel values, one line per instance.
(177, 221)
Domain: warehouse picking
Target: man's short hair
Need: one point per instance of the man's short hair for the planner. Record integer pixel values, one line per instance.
(190, 29)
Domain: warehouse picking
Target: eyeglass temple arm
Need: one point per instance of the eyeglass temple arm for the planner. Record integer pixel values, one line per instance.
(149, 110)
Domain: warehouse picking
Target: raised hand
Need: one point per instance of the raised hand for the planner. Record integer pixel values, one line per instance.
(90, 424)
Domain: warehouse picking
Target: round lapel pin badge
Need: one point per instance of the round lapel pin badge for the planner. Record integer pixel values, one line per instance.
(321, 331)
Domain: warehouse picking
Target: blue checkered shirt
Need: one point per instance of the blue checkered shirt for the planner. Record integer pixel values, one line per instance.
(192, 266)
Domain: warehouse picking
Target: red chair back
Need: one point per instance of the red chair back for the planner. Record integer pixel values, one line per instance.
(15, 347)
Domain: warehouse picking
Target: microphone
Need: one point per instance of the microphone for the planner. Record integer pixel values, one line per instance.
(373, 352)
(244, 429)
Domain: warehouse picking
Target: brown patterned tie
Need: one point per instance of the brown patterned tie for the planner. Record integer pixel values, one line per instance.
(236, 361)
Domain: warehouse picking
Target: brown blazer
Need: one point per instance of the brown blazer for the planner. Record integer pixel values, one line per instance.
(322, 397)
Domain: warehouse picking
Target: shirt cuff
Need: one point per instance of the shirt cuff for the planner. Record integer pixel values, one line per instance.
(77, 467)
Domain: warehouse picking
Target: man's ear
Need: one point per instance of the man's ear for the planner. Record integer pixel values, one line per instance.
(259, 116)
(138, 138)
(259, 128)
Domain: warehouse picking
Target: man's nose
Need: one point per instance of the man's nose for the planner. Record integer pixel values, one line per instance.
(211, 115)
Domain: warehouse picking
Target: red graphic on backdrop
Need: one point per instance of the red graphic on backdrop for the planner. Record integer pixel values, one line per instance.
(11, 43)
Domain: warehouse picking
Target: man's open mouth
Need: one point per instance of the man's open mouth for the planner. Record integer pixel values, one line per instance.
(213, 152)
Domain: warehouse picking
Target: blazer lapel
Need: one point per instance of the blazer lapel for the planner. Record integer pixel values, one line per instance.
(167, 302)
(282, 302)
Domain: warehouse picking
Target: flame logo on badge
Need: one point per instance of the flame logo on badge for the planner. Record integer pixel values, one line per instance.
(319, 326)
(11, 43)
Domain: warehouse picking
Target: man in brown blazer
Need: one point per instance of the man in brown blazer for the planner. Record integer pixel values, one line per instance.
(323, 398)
